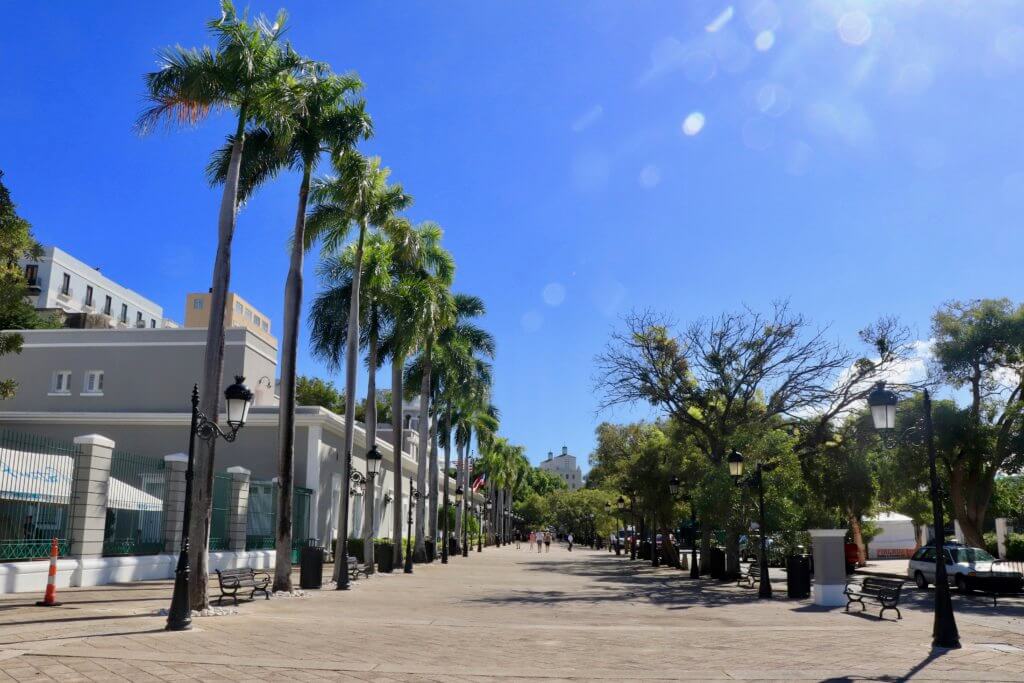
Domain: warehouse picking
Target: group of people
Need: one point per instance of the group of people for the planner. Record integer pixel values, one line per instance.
(541, 538)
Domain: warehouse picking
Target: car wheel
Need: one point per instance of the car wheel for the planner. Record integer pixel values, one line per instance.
(920, 580)
(961, 583)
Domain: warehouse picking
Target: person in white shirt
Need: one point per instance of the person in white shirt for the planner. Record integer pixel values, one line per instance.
(569, 538)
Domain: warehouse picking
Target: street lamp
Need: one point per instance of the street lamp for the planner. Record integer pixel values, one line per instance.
(882, 403)
(694, 569)
(238, 400)
(458, 506)
(463, 499)
(414, 496)
(755, 480)
(373, 464)
(621, 504)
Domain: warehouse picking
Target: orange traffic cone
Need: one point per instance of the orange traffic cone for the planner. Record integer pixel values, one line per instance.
(50, 599)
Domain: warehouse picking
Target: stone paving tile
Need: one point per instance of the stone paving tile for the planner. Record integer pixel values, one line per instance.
(584, 616)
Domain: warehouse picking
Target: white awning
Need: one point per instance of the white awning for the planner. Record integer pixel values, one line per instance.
(47, 478)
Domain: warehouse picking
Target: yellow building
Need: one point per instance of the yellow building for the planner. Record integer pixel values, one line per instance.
(237, 313)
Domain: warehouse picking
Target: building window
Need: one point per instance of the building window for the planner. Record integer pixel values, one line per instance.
(124, 313)
(65, 285)
(139, 322)
(61, 382)
(197, 304)
(266, 326)
(88, 295)
(107, 303)
(256, 320)
(31, 274)
(152, 322)
(248, 314)
(93, 383)
(238, 307)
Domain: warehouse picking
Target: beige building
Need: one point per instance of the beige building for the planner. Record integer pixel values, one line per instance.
(237, 313)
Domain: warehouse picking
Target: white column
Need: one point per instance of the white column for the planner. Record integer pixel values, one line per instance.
(1001, 533)
(313, 482)
(175, 466)
(89, 495)
(238, 508)
(829, 566)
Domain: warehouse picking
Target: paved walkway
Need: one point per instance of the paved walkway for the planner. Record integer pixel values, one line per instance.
(502, 614)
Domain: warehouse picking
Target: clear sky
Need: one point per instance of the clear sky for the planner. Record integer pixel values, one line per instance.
(585, 158)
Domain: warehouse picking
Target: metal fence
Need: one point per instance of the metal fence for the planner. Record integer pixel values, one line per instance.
(135, 505)
(261, 528)
(219, 519)
(36, 474)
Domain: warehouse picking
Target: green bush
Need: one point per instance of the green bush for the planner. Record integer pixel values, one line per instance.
(1015, 547)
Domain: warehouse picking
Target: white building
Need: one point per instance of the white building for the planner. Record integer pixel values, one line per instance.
(564, 466)
(59, 282)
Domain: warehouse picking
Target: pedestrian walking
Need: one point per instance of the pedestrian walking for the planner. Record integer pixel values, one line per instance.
(518, 534)
(540, 541)
(547, 541)
(569, 538)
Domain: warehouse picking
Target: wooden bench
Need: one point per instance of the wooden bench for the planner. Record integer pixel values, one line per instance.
(752, 576)
(886, 592)
(356, 568)
(234, 580)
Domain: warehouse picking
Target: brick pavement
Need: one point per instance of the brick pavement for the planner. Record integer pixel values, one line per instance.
(503, 614)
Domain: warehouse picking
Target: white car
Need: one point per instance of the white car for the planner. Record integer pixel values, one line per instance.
(962, 562)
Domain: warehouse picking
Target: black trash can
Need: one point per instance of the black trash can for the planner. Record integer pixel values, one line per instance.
(311, 566)
(798, 576)
(385, 554)
(429, 545)
(716, 562)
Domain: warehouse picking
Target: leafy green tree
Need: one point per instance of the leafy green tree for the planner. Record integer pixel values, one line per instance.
(313, 391)
(979, 346)
(246, 73)
(16, 313)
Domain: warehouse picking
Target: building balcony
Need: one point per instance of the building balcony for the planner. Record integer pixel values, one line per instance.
(34, 285)
(66, 295)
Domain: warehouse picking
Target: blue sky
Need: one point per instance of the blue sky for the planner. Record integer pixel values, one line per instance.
(860, 158)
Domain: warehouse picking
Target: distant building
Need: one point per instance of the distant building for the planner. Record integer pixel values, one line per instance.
(564, 466)
(237, 313)
(83, 297)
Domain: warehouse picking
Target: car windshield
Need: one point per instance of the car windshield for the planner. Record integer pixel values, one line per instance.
(971, 555)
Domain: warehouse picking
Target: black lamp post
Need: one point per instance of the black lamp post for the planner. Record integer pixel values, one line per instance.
(465, 520)
(883, 402)
(621, 503)
(238, 400)
(414, 496)
(755, 480)
(505, 527)
(694, 569)
(632, 536)
(373, 463)
(459, 499)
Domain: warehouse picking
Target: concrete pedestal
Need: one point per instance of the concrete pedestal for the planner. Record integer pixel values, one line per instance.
(829, 567)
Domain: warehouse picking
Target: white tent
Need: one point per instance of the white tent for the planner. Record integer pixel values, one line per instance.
(47, 478)
(897, 540)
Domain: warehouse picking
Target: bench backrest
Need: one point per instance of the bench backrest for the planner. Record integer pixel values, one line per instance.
(876, 585)
(236, 573)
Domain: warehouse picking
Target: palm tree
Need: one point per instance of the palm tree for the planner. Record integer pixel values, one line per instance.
(419, 253)
(359, 197)
(475, 416)
(326, 118)
(329, 323)
(459, 367)
(245, 73)
(435, 311)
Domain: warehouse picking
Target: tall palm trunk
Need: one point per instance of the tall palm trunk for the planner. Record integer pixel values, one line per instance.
(446, 530)
(460, 482)
(433, 481)
(423, 455)
(397, 364)
(351, 364)
(371, 441)
(286, 411)
(213, 369)
(499, 532)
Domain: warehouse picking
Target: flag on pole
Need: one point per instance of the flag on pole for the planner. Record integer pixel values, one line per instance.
(479, 481)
